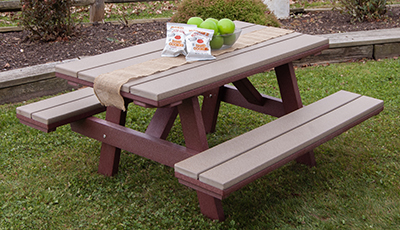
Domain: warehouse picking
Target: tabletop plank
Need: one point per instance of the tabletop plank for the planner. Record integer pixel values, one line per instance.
(178, 80)
(118, 56)
(216, 70)
(91, 74)
(153, 53)
(175, 81)
(178, 69)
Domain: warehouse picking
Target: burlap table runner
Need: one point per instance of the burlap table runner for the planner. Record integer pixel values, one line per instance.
(107, 86)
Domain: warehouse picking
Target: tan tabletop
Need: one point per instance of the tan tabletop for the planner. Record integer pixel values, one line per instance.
(160, 89)
(175, 91)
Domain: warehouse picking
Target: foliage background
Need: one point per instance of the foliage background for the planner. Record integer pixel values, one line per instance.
(253, 11)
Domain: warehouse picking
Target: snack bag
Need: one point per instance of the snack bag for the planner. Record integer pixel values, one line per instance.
(175, 41)
(198, 44)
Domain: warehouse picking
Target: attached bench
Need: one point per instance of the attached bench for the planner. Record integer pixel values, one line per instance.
(47, 115)
(225, 168)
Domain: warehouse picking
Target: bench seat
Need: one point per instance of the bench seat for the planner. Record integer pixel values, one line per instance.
(48, 114)
(225, 168)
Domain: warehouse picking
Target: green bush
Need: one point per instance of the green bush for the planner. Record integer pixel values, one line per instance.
(47, 19)
(363, 10)
(253, 11)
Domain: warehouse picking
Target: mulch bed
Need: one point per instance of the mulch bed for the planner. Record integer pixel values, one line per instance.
(17, 51)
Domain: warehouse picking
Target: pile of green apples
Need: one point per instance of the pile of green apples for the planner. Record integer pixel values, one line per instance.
(223, 30)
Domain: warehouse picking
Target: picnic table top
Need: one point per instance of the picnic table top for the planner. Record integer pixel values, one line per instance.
(193, 78)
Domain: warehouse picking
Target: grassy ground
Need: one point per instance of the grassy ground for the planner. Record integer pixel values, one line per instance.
(49, 181)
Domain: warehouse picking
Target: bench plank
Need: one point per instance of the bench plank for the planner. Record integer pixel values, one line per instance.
(28, 110)
(233, 171)
(210, 158)
(48, 114)
(63, 111)
(225, 168)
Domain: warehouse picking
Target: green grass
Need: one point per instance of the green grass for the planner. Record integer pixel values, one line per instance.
(50, 181)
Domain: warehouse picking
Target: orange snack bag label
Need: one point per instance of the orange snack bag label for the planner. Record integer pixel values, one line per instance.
(198, 44)
(175, 43)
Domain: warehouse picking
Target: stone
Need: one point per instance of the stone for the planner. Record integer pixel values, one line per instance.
(281, 8)
(387, 50)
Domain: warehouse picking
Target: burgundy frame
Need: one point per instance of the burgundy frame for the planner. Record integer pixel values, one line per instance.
(196, 122)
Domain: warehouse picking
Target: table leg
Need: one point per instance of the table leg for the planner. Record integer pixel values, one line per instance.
(162, 122)
(288, 87)
(110, 155)
(192, 124)
(291, 100)
(210, 109)
(249, 91)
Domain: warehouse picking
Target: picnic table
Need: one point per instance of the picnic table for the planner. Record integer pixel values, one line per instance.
(214, 173)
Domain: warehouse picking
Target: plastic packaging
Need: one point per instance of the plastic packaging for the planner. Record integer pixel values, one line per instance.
(175, 43)
(198, 44)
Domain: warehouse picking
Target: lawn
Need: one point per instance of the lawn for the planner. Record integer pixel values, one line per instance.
(50, 181)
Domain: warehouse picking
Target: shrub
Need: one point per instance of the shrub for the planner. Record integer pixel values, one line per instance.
(362, 10)
(253, 11)
(47, 19)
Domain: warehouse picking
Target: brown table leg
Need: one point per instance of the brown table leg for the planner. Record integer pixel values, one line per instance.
(162, 122)
(110, 155)
(192, 124)
(244, 95)
(288, 87)
(291, 100)
(210, 109)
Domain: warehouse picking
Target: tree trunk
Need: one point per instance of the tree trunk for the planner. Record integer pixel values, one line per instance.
(97, 11)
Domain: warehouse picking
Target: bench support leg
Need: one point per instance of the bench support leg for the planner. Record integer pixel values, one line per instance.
(211, 206)
(110, 155)
(307, 159)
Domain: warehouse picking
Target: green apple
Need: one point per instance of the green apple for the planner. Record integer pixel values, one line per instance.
(209, 25)
(229, 39)
(226, 26)
(213, 19)
(195, 21)
(217, 42)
